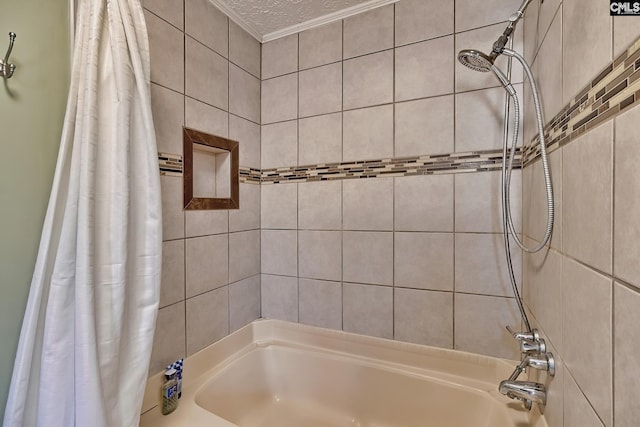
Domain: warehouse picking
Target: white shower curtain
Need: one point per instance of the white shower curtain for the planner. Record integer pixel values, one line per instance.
(88, 329)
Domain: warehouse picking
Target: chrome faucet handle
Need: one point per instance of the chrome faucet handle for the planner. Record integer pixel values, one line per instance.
(544, 362)
(533, 347)
(520, 336)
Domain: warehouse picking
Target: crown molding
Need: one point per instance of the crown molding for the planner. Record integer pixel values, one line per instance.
(312, 23)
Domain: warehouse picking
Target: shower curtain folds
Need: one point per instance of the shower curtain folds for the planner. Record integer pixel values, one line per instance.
(88, 328)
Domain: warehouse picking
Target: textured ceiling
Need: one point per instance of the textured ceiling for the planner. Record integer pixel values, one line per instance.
(268, 19)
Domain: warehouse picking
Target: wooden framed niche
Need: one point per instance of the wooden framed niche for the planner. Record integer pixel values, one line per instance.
(211, 171)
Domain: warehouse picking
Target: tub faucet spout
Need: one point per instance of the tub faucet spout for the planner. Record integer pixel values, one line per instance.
(527, 391)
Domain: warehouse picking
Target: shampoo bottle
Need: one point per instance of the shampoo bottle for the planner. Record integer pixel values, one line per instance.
(169, 392)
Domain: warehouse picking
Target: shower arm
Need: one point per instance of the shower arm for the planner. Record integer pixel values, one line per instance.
(500, 44)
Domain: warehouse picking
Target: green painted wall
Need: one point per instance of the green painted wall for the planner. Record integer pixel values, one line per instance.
(32, 105)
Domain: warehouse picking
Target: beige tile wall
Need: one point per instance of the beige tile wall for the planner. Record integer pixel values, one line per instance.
(584, 292)
(205, 74)
(388, 257)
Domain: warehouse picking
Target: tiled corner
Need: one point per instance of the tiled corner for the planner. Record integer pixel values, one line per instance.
(248, 134)
(280, 144)
(248, 216)
(424, 317)
(169, 341)
(586, 322)
(320, 205)
(367, 257)
(280, 57)
(424, 203)
(244, 50)
(207, 264)
(368, 309)
(207, 319)
(279, 99)
(321, 303)
(244, 94)
(320, 139)
(244, 302)
(577, 410)
(369, 32)
(279, 297)
(279, 252)
(424, 126)
(320, 255)
(321, 45)
(424, 69)
(423, 260)
(244, 255)
(419, 20)
(368, 80)
(172, 286)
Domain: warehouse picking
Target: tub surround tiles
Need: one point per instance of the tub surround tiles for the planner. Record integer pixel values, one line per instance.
(326, 215)
(368, 133)
(244, 255)
(244, 302)
(368, 310)
(207, 319)
(279, 297)
(279, 99)
(165, 44)
(244, 50)
(244, 94)
(577, 411)
(367, 204)
(320, 255)
(172, 286)
(204, 117)
(202, 272)
(424, 317)
(469, 15)
(168, 113)
(206, 74)
(320, 90)
(248, 132)
(203, 223)
(280, 57)
(169, 10)
(321, 45)
(170, 164)
(320, 139)
(207, 24)
(279, 144)
(423, 261)
(419, 20)
(279, 253)
(278, 206)
(320, 303)
(368, 80)
(169, 339)
(369, 32)
(367, 257)
(424, 203)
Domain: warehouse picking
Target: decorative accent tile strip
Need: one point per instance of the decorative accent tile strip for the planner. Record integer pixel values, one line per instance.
(477, 161)
(614, 90)
(250, 175)
(170, 164)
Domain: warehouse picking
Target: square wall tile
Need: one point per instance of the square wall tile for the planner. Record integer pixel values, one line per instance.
(248, 216)
(279, 297)
(165, 44)
(207, 263)
(207, 24)
(481, 266)
(367, 204)
(470, 15)
(204, 223)
(368, 133)
(169, 342)
(279, 252)
(247, 133)
(482, 39)
(368, 310)
(626, 369)
(244, 50)
(167, 107)
(320, 254)
(367, 257)
(207, 319)
(587, 180)
(205, 118)
(320, 139)
(172, 213)
(279, 99)
(244, 93)
(279, 206)
(627, 198)
(480, 325)
(424, 261)
(586, 43)
(280, 56)
(172, 287)
(244, 255)
(424, 203)
(368, 32)
(321, 303)
(320, 205)
(169, 10)
(424, 69)
(477, 202)
(418, 20)
(549, 69)
(244, 302)
(625, 32)
(368, 80)
(206, 75)
(586, 303)
(577, 410)
(424, 317)
(280, 144)
(321, 45)
(320, 90)
(424, 126)
(480, 119)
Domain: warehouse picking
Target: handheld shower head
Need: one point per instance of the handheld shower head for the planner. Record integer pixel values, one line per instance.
(476, 60)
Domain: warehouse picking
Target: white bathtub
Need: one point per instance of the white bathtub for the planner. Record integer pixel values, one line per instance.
(278, 374)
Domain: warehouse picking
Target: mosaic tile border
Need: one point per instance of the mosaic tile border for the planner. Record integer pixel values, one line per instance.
(614, 90)
(170, 164)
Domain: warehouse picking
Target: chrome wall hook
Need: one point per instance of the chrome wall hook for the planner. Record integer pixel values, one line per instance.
(6, 69)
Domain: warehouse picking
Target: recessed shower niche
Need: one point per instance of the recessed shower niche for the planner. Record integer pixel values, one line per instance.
(211, 175)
